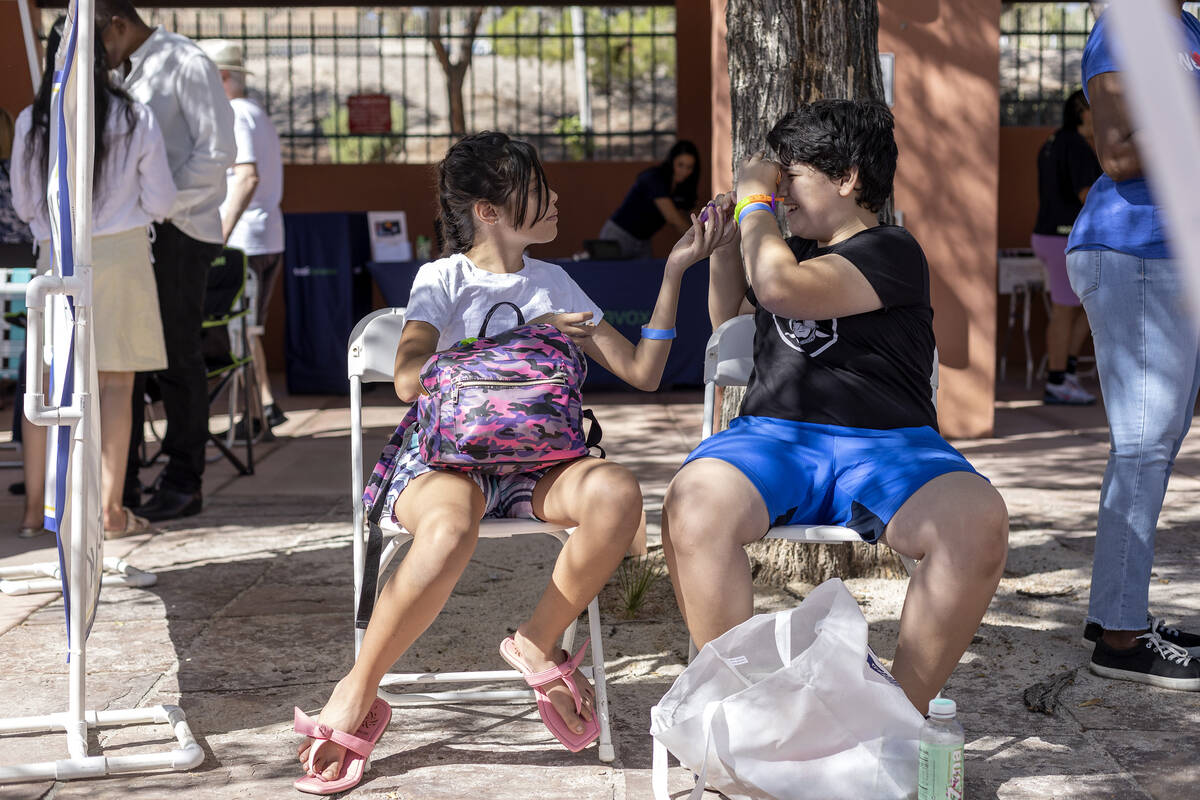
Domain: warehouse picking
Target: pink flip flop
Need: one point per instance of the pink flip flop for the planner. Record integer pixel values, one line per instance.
(565, 672)
(358, 748)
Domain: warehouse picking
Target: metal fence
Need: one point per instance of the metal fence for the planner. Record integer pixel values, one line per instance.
(579, 83)
(1041, 47)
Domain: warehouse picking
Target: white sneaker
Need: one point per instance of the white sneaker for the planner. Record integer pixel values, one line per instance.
(1067, 393)
(1073, 379)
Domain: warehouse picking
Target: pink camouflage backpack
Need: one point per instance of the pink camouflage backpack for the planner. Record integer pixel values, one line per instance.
(504, 403)
(500, 404)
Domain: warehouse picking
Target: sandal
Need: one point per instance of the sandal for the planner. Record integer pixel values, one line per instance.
(358, 748)
(133, 526)
(30, 533)
(565, 671)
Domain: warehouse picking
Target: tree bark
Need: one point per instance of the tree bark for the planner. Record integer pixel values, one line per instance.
(455, 71)
(783, 53)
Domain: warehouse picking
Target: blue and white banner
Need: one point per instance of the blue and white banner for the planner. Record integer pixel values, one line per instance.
(73, 451)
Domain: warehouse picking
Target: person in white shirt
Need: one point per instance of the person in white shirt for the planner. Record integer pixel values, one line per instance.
(172, 76)
(132, 187)
(250, 217)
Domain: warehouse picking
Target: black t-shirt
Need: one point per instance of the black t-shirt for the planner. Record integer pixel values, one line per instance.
(868, 370)
(1066, 166)
(637, 214)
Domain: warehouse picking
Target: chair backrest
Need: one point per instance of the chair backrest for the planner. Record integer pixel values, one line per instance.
(226, 284)
(12, 302)
(372, 353)
(729, 356)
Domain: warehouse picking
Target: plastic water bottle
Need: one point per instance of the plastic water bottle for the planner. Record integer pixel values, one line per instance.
(940, 774)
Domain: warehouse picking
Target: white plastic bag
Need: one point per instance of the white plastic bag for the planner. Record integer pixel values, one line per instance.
(791, 705)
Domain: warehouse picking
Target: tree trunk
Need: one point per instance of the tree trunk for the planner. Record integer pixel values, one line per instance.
(455, 71)
(783, 53)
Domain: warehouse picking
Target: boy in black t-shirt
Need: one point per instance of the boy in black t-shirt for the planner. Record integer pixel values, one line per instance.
(838, 426)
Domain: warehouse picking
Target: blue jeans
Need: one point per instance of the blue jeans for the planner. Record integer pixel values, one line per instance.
(1148, 357)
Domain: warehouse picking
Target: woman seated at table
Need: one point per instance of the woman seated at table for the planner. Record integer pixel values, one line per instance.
(660, 195)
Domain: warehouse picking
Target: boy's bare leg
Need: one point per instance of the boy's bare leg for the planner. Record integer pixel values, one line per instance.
(711, 512)
(603, 501)
(442, 510)
(957, 525)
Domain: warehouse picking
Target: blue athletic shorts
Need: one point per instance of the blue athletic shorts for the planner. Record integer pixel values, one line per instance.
(812, 474)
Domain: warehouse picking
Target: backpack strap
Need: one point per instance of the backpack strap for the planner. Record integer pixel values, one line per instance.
(488, 317)
(370, 578)
(595, 432)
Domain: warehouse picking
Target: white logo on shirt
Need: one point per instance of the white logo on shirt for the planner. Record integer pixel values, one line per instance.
(1190, 61)
(798, 334)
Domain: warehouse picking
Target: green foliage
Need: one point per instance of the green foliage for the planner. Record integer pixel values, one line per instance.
(611, 50)
(575, 139)
(635, 577)
(362, 149)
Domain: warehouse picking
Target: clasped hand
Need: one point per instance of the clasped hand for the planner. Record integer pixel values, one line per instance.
(713, 228)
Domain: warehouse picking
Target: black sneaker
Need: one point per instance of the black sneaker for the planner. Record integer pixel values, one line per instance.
(275, 416)
(1151, 661)
(1188, 641)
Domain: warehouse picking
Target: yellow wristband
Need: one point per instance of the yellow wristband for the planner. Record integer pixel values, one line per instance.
(753, 198)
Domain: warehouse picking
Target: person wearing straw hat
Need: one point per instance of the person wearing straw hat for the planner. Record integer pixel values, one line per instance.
(250, 217)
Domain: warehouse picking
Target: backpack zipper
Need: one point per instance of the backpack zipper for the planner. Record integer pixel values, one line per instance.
(557, 380)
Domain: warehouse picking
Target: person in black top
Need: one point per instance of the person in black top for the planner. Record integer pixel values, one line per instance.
(660, 195)
(1067, 168)
(839, 425)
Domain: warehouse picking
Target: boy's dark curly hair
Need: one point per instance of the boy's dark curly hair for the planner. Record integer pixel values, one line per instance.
(831, 136)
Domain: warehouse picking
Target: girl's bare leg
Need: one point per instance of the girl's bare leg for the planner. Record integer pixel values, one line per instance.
(604, 502)
(442, 510)
(33, 456)
(116, 391)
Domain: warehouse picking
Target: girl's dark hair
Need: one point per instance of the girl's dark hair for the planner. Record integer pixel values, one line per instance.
(1073, 109)
(689, 189)
(37, 141)
(489, 166)
(831, 136)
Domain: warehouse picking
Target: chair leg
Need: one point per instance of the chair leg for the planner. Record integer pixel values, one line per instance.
(607, 752)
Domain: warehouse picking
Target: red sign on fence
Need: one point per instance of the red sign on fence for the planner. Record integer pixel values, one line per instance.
(369, 113)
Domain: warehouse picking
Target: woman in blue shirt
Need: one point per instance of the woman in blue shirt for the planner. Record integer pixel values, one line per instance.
(661, 195)
(1148, 357)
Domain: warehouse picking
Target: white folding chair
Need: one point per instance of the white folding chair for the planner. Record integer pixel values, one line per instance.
(728, 359)
(371, 358)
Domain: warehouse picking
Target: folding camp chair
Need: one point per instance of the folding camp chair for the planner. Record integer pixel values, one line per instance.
(12, 336)
(371, 358)
(226, 348)
(728, 359)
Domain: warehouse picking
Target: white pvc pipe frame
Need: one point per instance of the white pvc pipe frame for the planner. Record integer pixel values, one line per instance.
(35, 71)
(76, 721)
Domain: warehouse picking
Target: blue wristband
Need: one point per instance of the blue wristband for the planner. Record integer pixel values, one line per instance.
(658, 333)
(751, 208)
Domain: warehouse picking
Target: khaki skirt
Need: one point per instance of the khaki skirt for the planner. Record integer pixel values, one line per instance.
(128, 326)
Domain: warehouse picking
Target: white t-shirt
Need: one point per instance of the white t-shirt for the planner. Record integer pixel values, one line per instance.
(260, 228)
(453, 295)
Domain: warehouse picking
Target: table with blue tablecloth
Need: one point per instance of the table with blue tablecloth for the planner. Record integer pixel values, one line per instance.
(626, 291)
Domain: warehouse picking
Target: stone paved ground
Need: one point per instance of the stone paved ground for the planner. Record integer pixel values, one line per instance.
(251, 615)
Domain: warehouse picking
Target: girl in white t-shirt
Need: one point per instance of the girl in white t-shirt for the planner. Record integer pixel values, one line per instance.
(494, 203)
